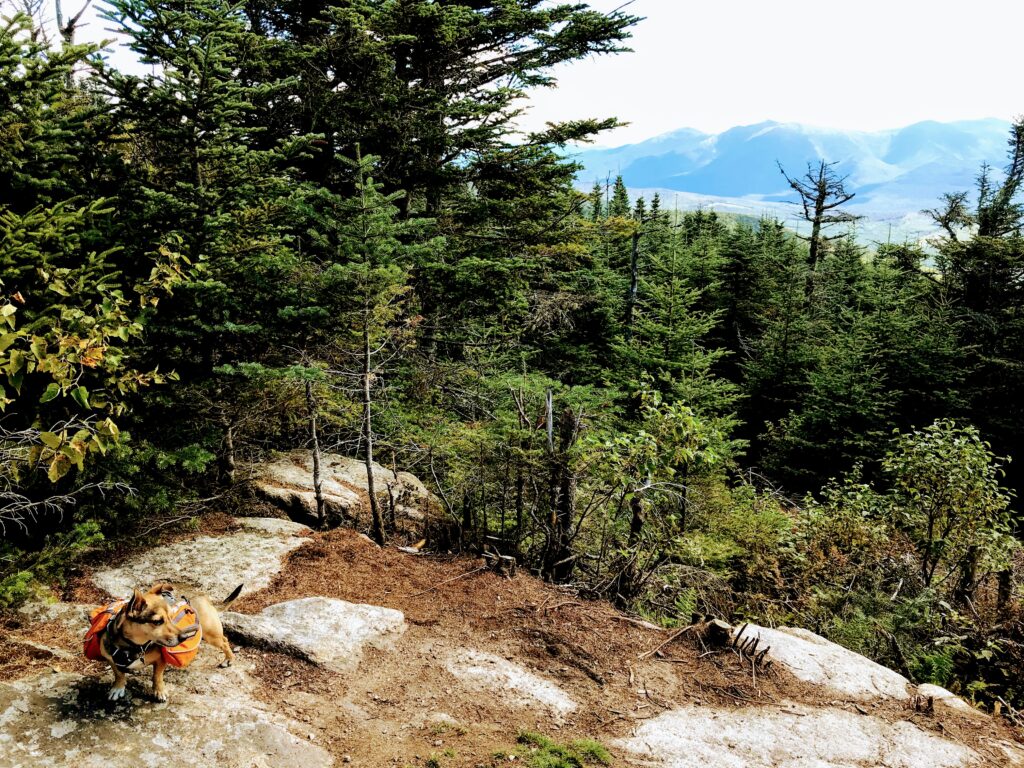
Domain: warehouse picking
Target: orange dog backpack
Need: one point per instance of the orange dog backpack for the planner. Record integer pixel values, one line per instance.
(184, 617)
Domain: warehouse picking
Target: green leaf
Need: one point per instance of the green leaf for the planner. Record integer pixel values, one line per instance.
(81, 396)
(50, 439)
(38, 347)
(16, 361)
(58, 468)
(108, 428)
(52, 390)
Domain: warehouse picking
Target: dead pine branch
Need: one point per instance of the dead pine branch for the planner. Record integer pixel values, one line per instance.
(448, 581)
(672, 637)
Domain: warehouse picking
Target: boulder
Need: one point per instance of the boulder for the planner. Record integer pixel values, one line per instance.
(214, 565)
(509, 682)
(60, 719)
(331, 633)
(793, 736)
(815, 660)
(287, 482)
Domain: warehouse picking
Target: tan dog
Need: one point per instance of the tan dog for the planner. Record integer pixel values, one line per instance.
(136, 635)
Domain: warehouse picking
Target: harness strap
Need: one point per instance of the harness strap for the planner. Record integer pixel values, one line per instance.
(123, 657)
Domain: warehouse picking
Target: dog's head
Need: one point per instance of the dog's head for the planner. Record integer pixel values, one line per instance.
(148, 619)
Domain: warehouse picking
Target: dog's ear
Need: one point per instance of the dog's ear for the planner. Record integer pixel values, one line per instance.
(160, 587)
(137, 602)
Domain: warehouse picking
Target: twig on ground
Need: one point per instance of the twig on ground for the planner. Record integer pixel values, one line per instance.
(447, 581)
(672, 637)
(639, 623)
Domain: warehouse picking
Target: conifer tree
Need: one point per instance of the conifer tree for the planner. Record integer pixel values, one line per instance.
(619, 205)
(198, 178)
(597, 202)
(365, 286)
(445, 80)
(981, 263)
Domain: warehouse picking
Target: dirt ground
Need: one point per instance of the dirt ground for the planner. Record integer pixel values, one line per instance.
(403, 708)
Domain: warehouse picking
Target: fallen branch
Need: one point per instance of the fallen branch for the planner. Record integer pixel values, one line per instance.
(448, 581)
(639, 623)
(672, 637)
(1012, 713)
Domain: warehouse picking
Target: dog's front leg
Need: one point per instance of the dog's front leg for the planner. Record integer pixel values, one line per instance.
(118, 691)
(159, 690)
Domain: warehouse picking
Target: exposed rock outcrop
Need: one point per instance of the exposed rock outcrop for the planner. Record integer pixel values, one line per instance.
(327, 632)
(287, 482)
(460, 661)
(211, 564)
(58, 719)
(816, 660)
(506, 680)
(790, 736)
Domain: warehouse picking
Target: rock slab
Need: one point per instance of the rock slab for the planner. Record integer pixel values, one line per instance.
(59, 719)
(790, 736)
(214, 565)
(511, 682)
(332, 633)
(287, 482)
(943, 698)
(815, 660)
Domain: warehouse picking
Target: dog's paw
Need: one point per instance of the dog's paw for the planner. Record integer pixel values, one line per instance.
(225, 664)
(160, 695)
(116, 694)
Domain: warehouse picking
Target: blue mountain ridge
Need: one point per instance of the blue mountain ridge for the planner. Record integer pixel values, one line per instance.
(895, 173)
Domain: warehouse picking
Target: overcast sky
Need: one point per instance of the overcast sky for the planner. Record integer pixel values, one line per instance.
(854, 64)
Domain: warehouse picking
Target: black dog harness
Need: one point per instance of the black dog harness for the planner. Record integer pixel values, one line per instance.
(123, 656)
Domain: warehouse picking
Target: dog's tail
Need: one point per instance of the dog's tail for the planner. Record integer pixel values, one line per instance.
(234, 594)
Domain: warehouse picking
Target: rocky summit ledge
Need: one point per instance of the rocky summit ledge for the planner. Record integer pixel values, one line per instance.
(433, 657)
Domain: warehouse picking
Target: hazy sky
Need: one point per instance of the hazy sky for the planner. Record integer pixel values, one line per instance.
(856, 64)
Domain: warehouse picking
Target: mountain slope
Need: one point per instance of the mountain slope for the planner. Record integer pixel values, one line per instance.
(894, 172)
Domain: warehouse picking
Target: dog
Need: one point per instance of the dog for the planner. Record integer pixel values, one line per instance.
(155, 628)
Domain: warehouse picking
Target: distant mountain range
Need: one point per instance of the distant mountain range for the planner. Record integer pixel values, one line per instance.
(895, 173)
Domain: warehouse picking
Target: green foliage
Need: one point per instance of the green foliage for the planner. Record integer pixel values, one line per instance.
(24, 573)
(537, 751)
(947, 498)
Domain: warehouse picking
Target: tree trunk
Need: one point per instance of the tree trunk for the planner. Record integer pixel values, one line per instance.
(968, 577)
(375, 513)
(560, 563)
(228, 467)
(318, 482)
(520, 493)
(625, 583)
(634, 283)
(1004, 592)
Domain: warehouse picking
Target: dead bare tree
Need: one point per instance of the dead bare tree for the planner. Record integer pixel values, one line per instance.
(36, 11)
(821, 192)
(67, 29)
(318, 480)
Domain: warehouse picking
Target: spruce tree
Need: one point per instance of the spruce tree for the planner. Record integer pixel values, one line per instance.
(619, 205)
(199, 180)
